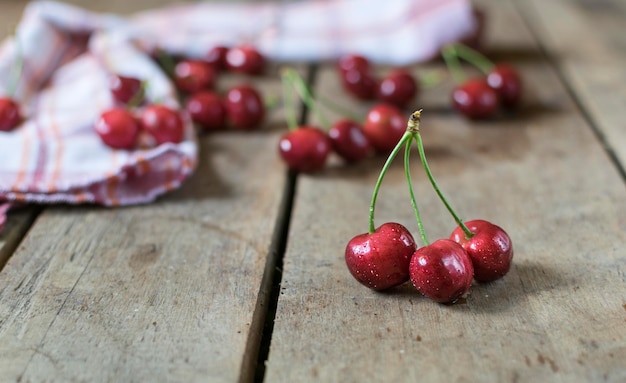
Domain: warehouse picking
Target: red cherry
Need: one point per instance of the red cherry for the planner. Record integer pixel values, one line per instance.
(381, 260)
(490, 249)
(441, 271)
(398, 88)
(245, 59)
(118, 128)
(244, 107)
(192, 76)
(505, 80)
(348, 140)
(353, 62)
(207, 109)
(125, 88)
(384, 126)
(10, 116)
(304, 149)
(217, 57)
(475, 99)
(361, 84)
(163, 124)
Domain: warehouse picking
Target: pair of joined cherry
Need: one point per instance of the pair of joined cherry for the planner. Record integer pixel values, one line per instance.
(397, 88)
(481, 97)
(443, 270)
(121, 126)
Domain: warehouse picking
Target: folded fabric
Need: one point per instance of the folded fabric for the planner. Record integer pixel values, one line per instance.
(69, 53)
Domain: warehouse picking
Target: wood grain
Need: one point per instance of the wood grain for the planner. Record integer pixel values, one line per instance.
(164, 292)
(558, 316)
(587, 41)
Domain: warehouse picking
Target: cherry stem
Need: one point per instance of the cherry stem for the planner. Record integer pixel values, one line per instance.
(414, 123)
(473, 57)
(306, 95)
(18, 67)
(432, 78)
(335, 107)
(407, 172)
(288, 102)
(407, 136)
(452, 62)
(166, 61)
(138, 97)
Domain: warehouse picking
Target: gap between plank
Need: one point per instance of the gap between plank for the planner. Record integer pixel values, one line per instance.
(262, 326)
(15, 234)
(580, 105)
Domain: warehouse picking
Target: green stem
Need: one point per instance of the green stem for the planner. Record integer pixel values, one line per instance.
(290, 112)
(18, 67)
(420, 148)
(407, 172)
(138, 97)
(335, 107)
(452, 62)
(307, 97)
(432, 78)
(473, 57)
(407, 136)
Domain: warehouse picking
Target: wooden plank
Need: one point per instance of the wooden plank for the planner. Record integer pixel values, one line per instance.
(587, 41)
(558, 316)
(173, 291)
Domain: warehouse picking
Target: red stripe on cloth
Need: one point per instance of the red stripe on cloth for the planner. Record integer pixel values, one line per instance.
(23, 166)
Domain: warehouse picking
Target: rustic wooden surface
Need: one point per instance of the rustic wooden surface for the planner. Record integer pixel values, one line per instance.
(186, 289)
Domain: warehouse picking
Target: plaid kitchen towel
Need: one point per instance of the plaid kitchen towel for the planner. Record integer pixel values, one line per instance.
(68, 54)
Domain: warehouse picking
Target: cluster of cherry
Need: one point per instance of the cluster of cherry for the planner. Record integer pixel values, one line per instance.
(306, 148)
(126, 126)
(443, 271)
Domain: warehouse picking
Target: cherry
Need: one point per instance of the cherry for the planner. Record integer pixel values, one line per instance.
(505, 80)
(353, 62)
(207, 109)
(380, 260)
(475, 99)
(217, 57)
(10, 116)
(441, 271)
(192, 76)
(125, 89)
(398, 88)
(244, 107)
(348, 140)
(384, 125)
(489, 248)
(245, 59)
(117, 128)
(163, 124)
(361, 84)
(304, 149)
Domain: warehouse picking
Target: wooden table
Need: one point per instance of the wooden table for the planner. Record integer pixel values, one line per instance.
(240, 276)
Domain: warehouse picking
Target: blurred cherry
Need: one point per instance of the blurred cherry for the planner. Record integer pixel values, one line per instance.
(10, 116)
(384, 126)
(245, 59)
(304, 149)
(117, 128)
(207, 109)
(348, 140)
(244, 107)
(163, 124)
(475, 99)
